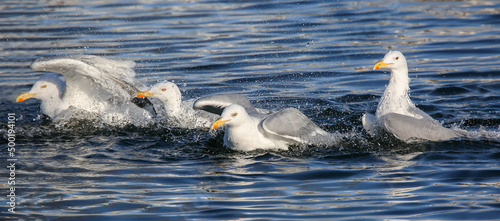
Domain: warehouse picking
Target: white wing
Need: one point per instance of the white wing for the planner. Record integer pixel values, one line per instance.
(94, 79)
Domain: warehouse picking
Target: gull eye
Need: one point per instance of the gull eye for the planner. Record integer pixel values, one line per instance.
(163, 89)
(44, 86)
(397, 58)
(234, 114)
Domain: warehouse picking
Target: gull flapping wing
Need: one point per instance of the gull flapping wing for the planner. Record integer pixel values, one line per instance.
(101, 78)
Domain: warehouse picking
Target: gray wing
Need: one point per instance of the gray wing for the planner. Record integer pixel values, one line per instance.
(290, 124)
(112, 80)
(216, 103)
(410, 129)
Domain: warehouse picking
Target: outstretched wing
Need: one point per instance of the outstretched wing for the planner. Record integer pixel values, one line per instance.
(411, 129)
(216, 103)
(291, 124)
(102, 78)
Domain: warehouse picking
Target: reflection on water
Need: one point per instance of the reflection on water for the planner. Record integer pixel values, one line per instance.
(398, 162)
(315, 56)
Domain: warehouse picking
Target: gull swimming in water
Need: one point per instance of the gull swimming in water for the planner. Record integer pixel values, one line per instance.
(245, 132)
(396, 113)
(101, 86)
(177, 113)
(183, 113)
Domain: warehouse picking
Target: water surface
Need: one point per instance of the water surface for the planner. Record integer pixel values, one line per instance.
(316, 56)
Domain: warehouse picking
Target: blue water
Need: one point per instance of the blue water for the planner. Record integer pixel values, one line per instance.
(316, 56)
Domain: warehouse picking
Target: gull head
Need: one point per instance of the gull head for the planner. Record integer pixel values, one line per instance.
(232, 115)
(393, 60)
(47, 87)
(167, 92)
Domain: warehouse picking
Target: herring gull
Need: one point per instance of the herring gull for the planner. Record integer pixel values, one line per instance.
(396, 113)
(177, 112)
(277, 131)
(105, 87)
(184, 113)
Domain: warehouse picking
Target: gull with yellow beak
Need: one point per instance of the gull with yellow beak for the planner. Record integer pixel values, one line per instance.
(48, 88)
(91, 83)
(169, 94)
(277, 131)
(177, 113)
(183, 114)
(397, 114)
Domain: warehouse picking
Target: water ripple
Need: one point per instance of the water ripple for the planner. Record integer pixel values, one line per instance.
(315, 56)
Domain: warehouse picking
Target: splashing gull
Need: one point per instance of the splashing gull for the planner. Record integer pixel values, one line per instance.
(95, 84)
(184, 113)
(177, 113)
(277, 131)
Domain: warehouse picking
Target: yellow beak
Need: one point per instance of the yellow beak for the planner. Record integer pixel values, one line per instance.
(380, 65)
(219, 123)
(25, 96)
(142, 94)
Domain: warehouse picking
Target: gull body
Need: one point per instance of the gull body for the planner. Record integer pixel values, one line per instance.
(178, 113)
(277, 131)
(397, 114)
(242, 131)
(92, 83)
